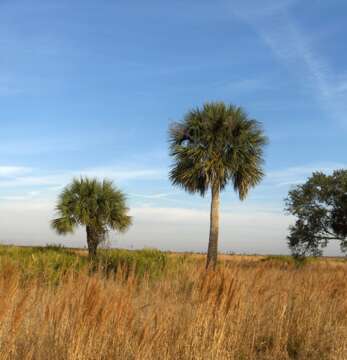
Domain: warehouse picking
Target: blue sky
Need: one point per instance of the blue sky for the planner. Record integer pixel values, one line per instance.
(90, 87)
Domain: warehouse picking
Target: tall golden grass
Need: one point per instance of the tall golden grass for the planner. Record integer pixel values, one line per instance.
(244, 310)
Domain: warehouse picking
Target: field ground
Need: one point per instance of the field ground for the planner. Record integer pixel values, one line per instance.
(56, 304)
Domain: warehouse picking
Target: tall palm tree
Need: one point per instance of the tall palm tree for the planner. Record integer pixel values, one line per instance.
(98, 206)
(213, 146)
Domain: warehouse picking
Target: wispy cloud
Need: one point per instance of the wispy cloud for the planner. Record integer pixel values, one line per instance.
(279, 30)
(121, 174)
(151, 196)
(24, 197)
(299, 174)
(294, 49)
(9, 171)
(14, 177)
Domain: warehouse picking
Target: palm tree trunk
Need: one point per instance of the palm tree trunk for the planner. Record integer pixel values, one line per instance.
(214, 228)
(92, 241)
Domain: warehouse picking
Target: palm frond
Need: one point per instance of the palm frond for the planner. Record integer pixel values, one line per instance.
(89, 202)
(217, 143)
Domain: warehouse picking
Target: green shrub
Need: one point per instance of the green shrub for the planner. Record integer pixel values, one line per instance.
(52, 262)
(150, 261)
(48, 264)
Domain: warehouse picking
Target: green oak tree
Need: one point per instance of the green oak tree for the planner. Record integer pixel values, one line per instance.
(213, 146)
(98, 206)
(320, 206)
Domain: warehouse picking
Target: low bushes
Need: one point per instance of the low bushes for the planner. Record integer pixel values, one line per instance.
(51, 263)
(48, 264)
(147, 261)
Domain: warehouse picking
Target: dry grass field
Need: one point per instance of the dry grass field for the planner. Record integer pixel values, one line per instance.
(250, 308)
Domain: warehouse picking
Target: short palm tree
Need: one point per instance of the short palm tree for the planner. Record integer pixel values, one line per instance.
(98, 206)
(213, 146)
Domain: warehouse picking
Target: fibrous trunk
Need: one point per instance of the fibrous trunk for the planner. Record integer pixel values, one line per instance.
(92, 241)
(214, 228)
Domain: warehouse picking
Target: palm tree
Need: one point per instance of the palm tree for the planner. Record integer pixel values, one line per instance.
(213, 146)
(98, 206)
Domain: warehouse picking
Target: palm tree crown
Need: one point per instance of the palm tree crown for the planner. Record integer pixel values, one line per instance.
(213, 146)
(98, 206)
(217, 144)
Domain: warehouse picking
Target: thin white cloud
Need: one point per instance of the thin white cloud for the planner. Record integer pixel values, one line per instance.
(26, 196)
(294, 49)
(169, 215)
(278, 29)
(151, 196)
(8, 171)
(299, 174)
(122, 174)
(14, 177)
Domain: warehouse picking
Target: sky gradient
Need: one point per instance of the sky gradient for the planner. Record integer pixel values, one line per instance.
(90, 88)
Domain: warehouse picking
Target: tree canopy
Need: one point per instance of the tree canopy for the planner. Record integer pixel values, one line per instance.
(320, 206)
(217, 143)
(99, 206)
